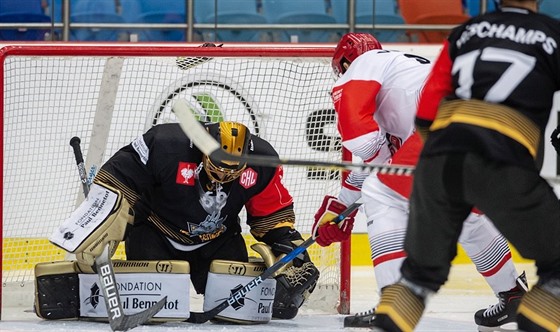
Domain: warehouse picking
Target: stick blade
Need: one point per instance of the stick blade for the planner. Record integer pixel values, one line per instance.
(131, 321)
(203, 317)
(192, 128)
(197, 318)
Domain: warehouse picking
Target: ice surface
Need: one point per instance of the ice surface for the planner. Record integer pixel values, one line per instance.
(452, 309)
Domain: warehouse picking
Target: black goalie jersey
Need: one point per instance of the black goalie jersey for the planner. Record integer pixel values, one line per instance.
(161, 174)
(484, 78)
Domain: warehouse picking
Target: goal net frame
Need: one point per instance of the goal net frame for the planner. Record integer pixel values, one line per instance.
(20, 251)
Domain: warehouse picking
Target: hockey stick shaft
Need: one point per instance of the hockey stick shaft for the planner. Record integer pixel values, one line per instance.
(104, 267)
(75, 144)
(208, 145)
(202, 317)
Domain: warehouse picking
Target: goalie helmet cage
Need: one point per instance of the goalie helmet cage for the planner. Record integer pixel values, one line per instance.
(109, 95)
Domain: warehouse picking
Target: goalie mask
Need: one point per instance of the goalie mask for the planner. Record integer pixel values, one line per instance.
(234, 139)
(351, 46)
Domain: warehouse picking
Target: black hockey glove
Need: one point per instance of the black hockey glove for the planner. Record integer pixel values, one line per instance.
(555, 140)
(297, 281)
(294, 284)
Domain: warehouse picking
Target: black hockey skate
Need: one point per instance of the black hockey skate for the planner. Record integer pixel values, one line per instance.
(361, 319)
(502, 316)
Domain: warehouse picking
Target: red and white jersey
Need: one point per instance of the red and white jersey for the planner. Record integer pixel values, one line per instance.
(378, 95)
(407, 155)
(376, 101)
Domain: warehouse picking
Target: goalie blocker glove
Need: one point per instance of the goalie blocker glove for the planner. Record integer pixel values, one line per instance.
(102, 218)
(297, 280)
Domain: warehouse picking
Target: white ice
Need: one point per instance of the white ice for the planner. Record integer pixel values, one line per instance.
(451, 309)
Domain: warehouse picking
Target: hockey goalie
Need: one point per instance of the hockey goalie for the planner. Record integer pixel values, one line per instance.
(177, 212)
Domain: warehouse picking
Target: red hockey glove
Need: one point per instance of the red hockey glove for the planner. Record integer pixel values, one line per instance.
(324, 230)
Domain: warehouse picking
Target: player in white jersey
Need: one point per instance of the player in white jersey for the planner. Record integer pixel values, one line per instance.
(376, 99)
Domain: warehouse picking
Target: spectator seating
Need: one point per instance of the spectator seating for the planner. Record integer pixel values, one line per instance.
(204, 8)
(473, 6)
(372, 12)
(230, 12)
(130, 10)
(551, 8)
(55, 9)
(247, 12)
(22, 11)
(299, 12)
(431, 12)
(156, 11)
(94, 11)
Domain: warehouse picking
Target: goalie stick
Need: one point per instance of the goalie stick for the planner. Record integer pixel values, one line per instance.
(208, 145)
(75, 144)
(203, 317)
(104, 268)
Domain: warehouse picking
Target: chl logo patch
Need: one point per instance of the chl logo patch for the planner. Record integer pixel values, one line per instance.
(185, 173)
(248, 178)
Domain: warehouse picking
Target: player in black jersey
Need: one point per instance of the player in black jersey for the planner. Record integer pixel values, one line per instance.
(484, 110)
(186, 205)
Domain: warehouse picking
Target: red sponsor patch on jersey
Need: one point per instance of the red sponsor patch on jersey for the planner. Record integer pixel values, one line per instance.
(248, 178)
(185, 173)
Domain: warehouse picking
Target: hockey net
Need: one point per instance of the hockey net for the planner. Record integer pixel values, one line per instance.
(109, 95)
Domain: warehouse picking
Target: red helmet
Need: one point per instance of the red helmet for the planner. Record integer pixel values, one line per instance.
(351, 46)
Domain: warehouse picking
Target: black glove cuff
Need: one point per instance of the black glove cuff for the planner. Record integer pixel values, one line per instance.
(281, 241)
(284, 235)
(555, 140)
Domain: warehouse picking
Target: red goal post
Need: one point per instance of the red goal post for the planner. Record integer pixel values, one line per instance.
(109, 94)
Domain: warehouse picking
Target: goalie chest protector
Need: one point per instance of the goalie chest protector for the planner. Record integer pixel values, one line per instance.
(225, 278)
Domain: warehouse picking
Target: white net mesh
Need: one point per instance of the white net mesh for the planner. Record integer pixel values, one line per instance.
(109, 101)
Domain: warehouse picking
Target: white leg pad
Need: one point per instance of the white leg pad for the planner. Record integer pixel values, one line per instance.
(66, 290)
(225, 277)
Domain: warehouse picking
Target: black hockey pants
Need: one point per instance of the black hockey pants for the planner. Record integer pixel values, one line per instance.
(146, 242)
(522, 206)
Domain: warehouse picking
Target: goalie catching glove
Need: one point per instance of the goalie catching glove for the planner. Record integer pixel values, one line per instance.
(324, 230)
(294, 283)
